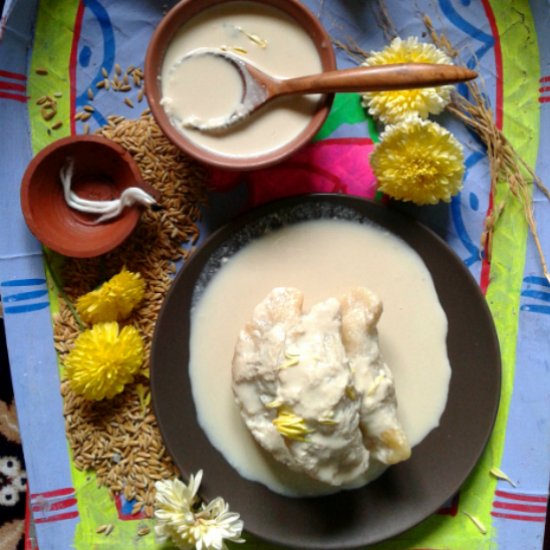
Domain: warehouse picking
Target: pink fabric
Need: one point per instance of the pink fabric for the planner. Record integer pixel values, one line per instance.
(328, 166)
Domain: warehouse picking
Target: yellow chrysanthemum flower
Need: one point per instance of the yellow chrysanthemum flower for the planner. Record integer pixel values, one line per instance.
(104, 359)
(392, 106)
(290, 425)
(419, 161)
(113, 300)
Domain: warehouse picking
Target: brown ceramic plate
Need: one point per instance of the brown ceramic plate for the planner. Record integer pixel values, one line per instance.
(405, 494)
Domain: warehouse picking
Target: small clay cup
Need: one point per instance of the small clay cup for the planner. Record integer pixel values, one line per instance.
(168, 27)
(102, 170)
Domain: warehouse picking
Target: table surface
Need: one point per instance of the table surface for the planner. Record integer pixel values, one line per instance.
(508, 40)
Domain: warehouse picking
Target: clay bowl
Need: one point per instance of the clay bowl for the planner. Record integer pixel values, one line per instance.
(168, 27)
(102, 170)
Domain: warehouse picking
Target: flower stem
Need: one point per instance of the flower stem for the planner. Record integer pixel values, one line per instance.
(61, 290)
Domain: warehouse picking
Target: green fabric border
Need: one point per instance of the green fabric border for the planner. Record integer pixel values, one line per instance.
(52, 50)
(521, 125)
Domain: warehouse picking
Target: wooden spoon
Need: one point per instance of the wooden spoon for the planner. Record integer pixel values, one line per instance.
(259, 88)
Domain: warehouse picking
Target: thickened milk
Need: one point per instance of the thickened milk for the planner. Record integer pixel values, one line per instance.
(205, 87)
(322, 258)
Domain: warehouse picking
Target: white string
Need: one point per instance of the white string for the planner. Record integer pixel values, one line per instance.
(107, 209)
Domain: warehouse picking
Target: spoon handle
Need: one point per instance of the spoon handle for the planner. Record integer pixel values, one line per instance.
(377, 78)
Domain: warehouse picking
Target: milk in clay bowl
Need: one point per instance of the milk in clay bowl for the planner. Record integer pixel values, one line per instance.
(435, 333)
(281, 37)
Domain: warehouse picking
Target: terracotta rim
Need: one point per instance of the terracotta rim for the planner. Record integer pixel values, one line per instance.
(169, 25)
(39, 230)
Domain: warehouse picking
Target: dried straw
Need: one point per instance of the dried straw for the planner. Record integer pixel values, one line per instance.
(506, 165)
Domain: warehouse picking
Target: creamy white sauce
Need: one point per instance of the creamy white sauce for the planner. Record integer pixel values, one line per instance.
(228, 72)
(207, 86)
(206, 89)
(322, 258)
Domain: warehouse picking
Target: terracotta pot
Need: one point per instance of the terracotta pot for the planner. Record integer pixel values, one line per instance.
(169, 26)
(102, 170)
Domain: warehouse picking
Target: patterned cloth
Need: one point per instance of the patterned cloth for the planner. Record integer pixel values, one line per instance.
(12, 472)
(509, 40)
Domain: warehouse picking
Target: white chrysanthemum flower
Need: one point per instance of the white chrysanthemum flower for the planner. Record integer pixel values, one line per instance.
(174, 492)
(188, 522)
(393, 106)
(215, 523)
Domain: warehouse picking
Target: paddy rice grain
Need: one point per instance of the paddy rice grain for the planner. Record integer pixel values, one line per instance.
(119, 438)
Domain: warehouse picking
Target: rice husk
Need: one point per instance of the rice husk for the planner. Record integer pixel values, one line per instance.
(119, 439)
